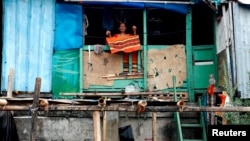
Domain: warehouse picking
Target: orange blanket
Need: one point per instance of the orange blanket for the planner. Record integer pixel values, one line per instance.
(124, 43)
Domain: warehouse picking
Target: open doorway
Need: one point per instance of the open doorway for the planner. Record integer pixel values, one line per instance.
(101, 19)
(202, 25)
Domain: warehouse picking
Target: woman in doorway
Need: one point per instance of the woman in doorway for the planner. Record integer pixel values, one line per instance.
(122, 29)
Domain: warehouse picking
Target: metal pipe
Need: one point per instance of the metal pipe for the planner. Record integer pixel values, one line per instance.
(139, 1)
(142, 106)
(101, 102)
(232, 39)
(130, 108)
(145, 49)
(3, 102)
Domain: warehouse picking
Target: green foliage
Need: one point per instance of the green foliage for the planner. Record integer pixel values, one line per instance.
(235, 117)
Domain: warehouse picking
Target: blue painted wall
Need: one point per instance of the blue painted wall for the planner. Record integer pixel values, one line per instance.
(28, 39)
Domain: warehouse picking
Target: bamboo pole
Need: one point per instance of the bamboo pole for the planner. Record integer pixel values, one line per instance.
(96, 125)
(131, 108)
(34, 109)
(115, 94)
(104, 125)
(154, 126)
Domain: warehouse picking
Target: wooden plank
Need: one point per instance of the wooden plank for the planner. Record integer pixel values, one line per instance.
(96, 125)
(130, 108)
(10, 83)
(154, 108)
(34, 109)
(114, 94)
(154, 126)
(127, 77)
(124, 77)
(104, 125)
(127, 74)
(30, 95)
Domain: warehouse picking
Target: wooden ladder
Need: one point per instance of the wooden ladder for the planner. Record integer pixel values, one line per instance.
(180, 125)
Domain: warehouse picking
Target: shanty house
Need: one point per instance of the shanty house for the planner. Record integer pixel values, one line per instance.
(182, 42)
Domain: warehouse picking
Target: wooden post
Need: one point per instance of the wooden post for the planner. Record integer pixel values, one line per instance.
(212, 116)
(154, 126)
(212, 97)
(96, 126)
(34, 109)
(104, 125)
(10, 83)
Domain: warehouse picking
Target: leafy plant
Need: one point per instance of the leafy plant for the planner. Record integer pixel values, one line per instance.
(234, 117)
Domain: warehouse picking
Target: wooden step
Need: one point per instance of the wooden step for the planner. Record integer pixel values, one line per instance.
(191, 125)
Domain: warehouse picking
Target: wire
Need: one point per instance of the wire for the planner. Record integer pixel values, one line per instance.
(161, 34)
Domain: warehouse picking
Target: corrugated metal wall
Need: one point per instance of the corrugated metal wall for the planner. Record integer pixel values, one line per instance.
(225, 45)
(28, 43)
(223, 31)
(241, 15)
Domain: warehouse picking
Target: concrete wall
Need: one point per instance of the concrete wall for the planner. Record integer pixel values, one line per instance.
(66, 128)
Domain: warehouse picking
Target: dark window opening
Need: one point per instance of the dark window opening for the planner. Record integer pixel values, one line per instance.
(202, 25)
(102, 19)
(166, 27)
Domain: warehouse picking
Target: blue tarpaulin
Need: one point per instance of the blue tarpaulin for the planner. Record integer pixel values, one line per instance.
(68, 34)
(176, 7)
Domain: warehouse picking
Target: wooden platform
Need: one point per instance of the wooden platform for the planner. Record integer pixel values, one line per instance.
(170, 96)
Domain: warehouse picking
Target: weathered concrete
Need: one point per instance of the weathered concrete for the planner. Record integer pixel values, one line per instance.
(112, 133)
(66, 127)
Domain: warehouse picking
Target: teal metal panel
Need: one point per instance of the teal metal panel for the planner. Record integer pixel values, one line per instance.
(119, 85)
(28, 35)
(189, 51)
(203, 53)
(204, 64)
(201, 75)
(66, 75)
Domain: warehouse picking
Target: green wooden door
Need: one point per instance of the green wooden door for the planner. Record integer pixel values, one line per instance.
(204, 64)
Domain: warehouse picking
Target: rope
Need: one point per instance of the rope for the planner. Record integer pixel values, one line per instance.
(32, 110)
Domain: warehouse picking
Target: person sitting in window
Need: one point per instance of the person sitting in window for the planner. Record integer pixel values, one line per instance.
(122, 29)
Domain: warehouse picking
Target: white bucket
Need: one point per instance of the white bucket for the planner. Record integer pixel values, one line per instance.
(131, 88)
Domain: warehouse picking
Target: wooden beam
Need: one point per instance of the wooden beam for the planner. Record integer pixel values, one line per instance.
(154, 126)
(34, 109)
(115, 94)
(104, 125)
(130, 108)
(96, 125)
(29, 95)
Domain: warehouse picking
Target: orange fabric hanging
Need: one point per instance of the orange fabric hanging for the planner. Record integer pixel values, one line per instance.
(222, 97)
(125, 44)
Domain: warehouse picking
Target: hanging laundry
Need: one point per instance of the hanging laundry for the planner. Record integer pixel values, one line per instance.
(98, 49)
(126, 44)
(85, 24)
